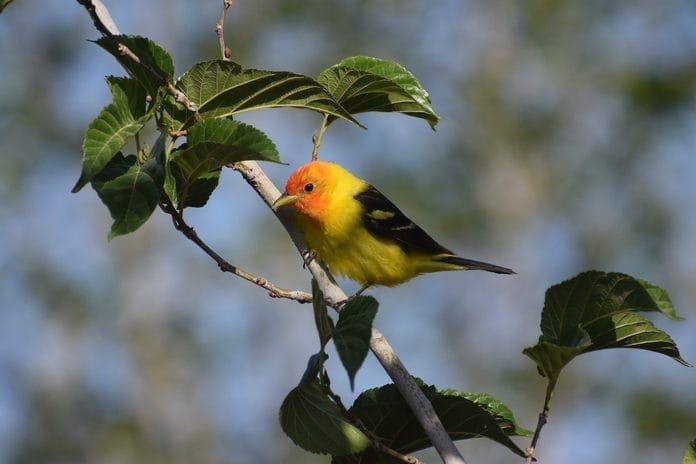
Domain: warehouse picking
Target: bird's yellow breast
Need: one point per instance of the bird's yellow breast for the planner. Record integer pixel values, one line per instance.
(349, 249)
(359, 255)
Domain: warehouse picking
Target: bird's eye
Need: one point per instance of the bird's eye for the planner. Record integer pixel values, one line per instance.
(309, 187)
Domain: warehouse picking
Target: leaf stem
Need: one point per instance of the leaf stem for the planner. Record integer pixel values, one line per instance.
(318, 136)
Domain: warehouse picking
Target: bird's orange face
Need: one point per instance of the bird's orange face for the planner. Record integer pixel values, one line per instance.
(307, 189)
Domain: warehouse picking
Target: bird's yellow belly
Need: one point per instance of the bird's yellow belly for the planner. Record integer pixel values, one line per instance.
(361, 257)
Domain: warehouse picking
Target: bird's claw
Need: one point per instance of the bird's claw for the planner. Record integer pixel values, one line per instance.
(355, 295)
(307, 257)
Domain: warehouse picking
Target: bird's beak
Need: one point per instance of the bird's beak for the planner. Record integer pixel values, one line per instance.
(284, 200)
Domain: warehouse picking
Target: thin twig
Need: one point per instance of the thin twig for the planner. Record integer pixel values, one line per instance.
(543, 419)
(382, 448)
(105, 24)
(178, 95)
(225, 52)
(318, 136)
(273, 290)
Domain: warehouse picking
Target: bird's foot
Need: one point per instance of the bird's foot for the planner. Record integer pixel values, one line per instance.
(307, 257)
(355, 295)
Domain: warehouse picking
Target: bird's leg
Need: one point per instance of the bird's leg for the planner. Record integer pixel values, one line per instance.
(307, 257)
(362, 289)
(359, 292)
(343, 303)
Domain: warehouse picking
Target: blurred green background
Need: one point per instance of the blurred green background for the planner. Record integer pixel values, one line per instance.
(567, 143)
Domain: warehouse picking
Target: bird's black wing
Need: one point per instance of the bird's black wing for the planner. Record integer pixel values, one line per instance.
(384, 219)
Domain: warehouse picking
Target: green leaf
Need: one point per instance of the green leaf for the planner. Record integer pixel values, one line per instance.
(503, 415)
(661, 299)
(211, 145)
(551, 359)
(155, 68)
(112, 128)
(629, 330)
(248, 141)
(598, 310)
(130, 191)
(572, 304)
(353, 331)
(128, 92)
(690, 453)
(197, 192)
(314, 422)
(223, 88)
(363, 83)
(384, 412)
(322, 320)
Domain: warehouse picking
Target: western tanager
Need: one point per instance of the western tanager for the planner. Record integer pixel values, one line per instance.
(358, 233)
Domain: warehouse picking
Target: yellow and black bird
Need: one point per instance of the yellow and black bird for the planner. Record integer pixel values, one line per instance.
(358, 233)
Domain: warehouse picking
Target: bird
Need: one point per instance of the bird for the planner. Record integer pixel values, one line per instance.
(358, 233)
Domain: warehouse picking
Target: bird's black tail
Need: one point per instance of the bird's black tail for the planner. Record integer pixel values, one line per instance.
(473, 265)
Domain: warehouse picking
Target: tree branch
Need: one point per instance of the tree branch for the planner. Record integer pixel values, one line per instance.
(225, 266)
(100, 16)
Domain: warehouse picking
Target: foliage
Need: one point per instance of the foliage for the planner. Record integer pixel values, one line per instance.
(315, 423)
(315, 419)
(595, 311)
(465, 415)
(200, 105)
(199, 137)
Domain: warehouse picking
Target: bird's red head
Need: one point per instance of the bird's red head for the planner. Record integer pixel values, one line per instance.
(308, 189)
